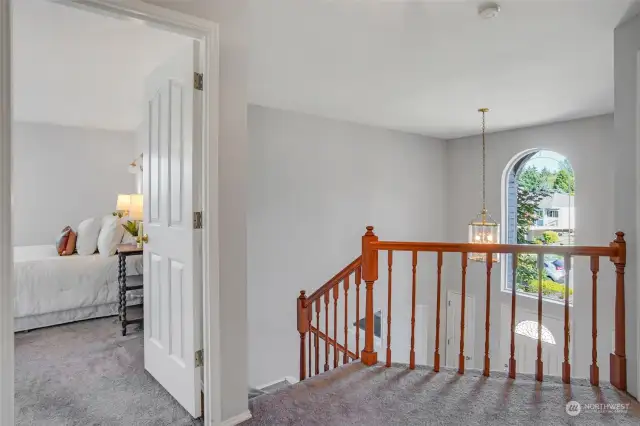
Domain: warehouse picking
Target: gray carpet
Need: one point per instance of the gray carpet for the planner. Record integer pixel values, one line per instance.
(360, 395)
(85, 374)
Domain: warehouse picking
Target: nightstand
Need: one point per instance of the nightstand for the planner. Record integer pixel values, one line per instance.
(127, 283)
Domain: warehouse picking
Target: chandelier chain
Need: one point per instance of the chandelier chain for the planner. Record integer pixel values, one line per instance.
(484, 207)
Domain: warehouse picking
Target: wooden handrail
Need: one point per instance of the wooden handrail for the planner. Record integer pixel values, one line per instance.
(332, 342)
(611, 251)
(347, 270)
(365, 269)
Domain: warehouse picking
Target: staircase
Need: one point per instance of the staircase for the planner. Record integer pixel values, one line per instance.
(355, 394)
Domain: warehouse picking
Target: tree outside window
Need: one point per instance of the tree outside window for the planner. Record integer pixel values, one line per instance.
(544, 185)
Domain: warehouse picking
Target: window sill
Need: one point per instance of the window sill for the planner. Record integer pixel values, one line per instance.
(535, 297)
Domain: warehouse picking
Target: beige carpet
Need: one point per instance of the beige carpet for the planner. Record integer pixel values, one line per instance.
(359, 395)
(86, 374)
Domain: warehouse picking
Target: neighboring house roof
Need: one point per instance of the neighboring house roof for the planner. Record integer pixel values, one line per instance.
(556, 201)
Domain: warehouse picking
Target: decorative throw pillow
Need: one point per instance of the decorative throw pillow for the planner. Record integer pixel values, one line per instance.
(88, 232)
(111, 234)
(71, 244)
(66, 242)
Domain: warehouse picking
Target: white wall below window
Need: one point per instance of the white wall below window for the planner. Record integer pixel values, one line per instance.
(63, 175)
(585, 143)
(314, 186)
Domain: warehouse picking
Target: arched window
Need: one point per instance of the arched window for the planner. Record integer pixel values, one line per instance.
(530, 329)
(539, 208)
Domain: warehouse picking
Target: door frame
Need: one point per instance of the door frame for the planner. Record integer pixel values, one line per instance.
(207, 32)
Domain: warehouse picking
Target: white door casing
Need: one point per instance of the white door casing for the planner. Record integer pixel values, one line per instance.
(191, 26)
(453, 330)
(172, 288)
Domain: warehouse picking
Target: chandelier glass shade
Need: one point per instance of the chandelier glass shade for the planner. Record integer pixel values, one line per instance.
(483, 229)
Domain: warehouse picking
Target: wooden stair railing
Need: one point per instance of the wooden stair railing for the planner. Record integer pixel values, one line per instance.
(307, 305)
(366, 268)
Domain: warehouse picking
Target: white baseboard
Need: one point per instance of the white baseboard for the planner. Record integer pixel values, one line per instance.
(242, 417)
(289, 379)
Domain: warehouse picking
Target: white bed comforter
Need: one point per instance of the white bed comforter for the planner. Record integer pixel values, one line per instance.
(46, 282)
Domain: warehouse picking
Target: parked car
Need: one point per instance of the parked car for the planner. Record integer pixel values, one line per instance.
(555, 270)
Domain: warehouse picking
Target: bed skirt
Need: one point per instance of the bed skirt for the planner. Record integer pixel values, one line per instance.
(72, 315)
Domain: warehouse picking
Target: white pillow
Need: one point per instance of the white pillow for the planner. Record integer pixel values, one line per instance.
(110, 236)
(88, 232)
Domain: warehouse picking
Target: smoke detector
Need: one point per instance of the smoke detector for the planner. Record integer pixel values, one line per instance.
(488, 10)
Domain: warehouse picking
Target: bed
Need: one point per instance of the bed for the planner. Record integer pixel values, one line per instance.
(52, 289)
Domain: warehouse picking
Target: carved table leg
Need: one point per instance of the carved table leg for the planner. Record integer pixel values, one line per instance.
(122, 305)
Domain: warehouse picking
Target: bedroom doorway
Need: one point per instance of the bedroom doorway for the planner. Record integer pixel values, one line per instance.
(173, 148)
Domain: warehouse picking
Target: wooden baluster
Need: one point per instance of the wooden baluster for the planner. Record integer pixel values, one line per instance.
(326, 331)
(595, 371)
(487, 361)
(512, 359)
(358, 282)
(436, 354)
(618, 359)
(566, 366)
(317, 340)
(336, 293)
(412, 353)
(462, 308)
(370, 275)
(539, 370)
(309, 320)
(345, 358)
(302, 330)
(390, 267)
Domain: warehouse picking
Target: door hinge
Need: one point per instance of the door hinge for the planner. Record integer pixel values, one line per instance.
(197, 220)
(199, 358)
(198, 81)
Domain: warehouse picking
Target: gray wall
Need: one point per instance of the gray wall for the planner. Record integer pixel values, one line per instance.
(626, 157)
(314, 186)
(63, 175)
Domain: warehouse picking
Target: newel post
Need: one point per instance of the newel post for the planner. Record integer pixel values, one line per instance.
(369, 275)
(303, 328)
(618, 359)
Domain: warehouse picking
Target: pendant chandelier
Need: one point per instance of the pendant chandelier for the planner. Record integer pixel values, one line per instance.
(483, 229)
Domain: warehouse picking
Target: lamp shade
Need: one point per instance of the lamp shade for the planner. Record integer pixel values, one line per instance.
(123, 203)
(135, 212)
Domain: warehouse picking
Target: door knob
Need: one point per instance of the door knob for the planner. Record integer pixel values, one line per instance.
(142, 239)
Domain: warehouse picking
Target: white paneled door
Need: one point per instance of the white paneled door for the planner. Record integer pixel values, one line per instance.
(454, 310)
(172, 262)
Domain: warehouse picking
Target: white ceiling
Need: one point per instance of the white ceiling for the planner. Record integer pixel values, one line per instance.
(426, 66)
(421, 66)
(78, 68)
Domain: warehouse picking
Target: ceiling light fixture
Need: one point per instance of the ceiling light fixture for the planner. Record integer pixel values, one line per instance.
(483, 229)
(488, 10)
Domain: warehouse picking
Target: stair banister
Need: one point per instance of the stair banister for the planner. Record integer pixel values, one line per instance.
(618, 360)
(365, 267)
(370, 276)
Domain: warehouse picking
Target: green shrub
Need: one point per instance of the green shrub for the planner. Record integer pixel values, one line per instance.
(550, 237)
(548, 288)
